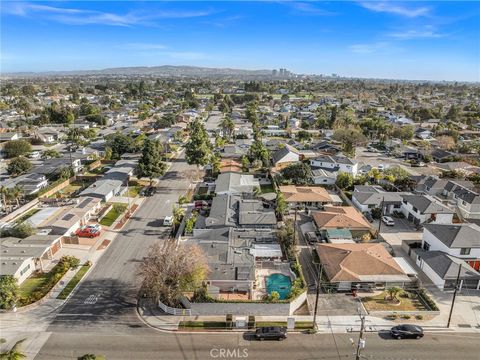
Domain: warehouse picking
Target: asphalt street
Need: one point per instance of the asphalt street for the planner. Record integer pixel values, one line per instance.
(106, 299)
(199, 346)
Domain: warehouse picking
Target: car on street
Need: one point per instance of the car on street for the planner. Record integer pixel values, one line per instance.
(148, 191)
(311, 237)
(88, 232)
(387, 220)
(406, 331)
(168, 221)
(271, 333)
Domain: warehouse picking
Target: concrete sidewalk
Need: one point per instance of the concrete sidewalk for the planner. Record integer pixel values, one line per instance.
(155, 318)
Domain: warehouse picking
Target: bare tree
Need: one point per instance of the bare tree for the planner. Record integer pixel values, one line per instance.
(170, 269)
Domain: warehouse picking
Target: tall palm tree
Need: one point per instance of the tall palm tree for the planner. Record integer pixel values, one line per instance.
(14, 353)
(17, 193)
(4, 193)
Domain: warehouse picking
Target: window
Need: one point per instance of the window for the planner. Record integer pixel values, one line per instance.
(426, 246)
(405, 202)
(464, 203)
(415, 209)
(24, 270)
(465, 251)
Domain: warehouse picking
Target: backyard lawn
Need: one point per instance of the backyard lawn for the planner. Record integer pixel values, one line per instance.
(113, 214)
(73, 282)
(382, 302)
(33, 283)
(266, 188)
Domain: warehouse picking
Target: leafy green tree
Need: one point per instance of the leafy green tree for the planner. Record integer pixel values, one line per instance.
(259, 152)
(245, 163)
(91, 357)
(8, 291)
(393, 292)
(344, 180)
(18, 166)
(15, 353)
(22, 230)
(14, 148)
(166, 121)
(198, 149)
(150, 164)
(281, 205)
(16, 194)
(50, 153)
(120, 144)
(298, 173)
(350, 138)
(303, 135)
(228, 126)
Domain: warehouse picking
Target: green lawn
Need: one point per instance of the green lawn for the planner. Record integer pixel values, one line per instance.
(133, 190)
(73, 282)
(113, 214)
(31, 284)
(382, 302)
(266, 188)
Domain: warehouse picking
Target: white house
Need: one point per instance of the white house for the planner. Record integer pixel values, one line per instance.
(324, 177)
(468, 202)
(233, 183)
(440, 243)
(423, 134)
(335, 163)
(286, 155)
(425, 209)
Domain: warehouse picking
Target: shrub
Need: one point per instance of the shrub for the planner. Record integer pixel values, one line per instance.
(419, 317)
(392, 316)
(251, 322)
(428, 300)
(406, 316)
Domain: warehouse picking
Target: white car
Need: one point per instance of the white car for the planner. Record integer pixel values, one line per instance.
(381, 167)
(34, 155)
(388, 220)
(168, 221)
(97, 227)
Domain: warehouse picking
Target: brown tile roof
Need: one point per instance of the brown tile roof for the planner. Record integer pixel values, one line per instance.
(340, 217)
(295, 193)
(227, 165)
(357, 262)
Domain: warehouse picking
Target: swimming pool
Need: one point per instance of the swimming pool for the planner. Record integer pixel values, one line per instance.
(279, 283)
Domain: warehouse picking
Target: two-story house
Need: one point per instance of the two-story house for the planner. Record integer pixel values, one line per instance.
(425, 209)
(335, 163)
(441, 243)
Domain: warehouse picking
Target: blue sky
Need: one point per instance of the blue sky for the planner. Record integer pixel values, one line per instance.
(434, 40)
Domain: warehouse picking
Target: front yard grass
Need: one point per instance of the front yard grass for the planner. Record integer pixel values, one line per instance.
(299, 325)
(382, 302)
(33, 283)
(74, 281)
(133, 190)
(113, 214)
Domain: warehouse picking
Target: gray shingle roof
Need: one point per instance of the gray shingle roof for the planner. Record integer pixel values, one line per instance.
(456, 236)
(426, 204)
(443, 266)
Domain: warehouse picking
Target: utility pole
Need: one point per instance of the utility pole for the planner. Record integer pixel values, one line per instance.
(361, 340)
(454, 294)
(381, 214)
(295, 226)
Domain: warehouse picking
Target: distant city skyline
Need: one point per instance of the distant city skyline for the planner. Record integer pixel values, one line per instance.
(371, 39)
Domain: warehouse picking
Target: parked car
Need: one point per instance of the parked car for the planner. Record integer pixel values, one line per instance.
(311, 237)
(406, 331)
(381, 167)
(387, 220)
(147, 191)
(34, 155)
(87, 232)
(417, 164)
(97, 227)
(271, 333)
(168, 221)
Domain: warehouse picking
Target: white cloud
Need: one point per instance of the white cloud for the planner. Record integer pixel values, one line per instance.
(309, 9)
(395, 8)
(85, 17)
(417, 34)
(368, 48)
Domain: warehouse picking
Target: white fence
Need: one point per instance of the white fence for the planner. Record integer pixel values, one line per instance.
(174, 311)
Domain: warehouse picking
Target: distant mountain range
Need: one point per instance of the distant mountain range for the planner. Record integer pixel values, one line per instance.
(164, 70)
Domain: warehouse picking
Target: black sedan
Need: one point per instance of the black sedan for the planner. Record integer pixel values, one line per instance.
(271, 333)
(406, 332)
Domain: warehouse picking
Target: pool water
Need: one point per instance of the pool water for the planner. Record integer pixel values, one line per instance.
(279, 283)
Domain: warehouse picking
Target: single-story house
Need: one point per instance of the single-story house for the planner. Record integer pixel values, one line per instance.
(286, 155)
(341, 217)
(302, 196)
(235, 183)
(352, 266)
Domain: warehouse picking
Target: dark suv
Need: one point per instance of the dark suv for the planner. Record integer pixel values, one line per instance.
(271, 333)
(407, 332)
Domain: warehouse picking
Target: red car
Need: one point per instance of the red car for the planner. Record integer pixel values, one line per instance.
(88, 232)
